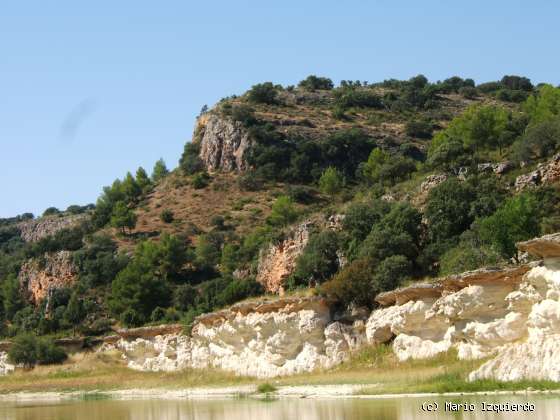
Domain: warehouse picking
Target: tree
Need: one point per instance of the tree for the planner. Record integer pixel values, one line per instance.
(130, 188)
(51, 211)
(319, 259)
(539, 141)
(137, 291)
(160, 170)
(362, 217)
(313, 83)
(353, 284)
(75, 311)
(514, 221)
(517, 83)
(190, 161)
(283, 212)
(209, 249)
(29, 350)
(383, 242)
(448, 210)
(184, 297)
(391, 272)
(544, 105)
(470, 254)
(372, 168)
(331, 182)
(11, 296)
(123, 217)
(262, 93)
(142, 179)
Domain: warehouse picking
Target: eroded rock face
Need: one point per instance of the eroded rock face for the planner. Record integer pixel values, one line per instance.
(278, 261)
(39, 276)
(511, 315)
(5, 366)
(546, 173)
(223, 143)
(34, 230)
(268, 339)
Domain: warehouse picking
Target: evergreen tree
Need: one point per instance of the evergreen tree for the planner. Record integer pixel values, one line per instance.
(123, 217)
(142, 179)
(160, 171)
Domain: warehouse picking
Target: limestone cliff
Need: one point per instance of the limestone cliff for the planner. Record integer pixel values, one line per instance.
(39, 276)
(223, 143)
(263, 339)
(34, 230)
(278, 261)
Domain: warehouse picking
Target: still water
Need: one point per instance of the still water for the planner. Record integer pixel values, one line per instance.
(545, 407)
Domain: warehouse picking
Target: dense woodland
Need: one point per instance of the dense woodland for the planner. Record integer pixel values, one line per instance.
(472, 219)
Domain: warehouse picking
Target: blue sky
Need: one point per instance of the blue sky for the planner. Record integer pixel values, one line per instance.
(90, 90)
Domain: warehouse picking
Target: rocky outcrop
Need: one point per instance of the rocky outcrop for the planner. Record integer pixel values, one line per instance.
(34, 230)
(427, 185)
(38, 277)
(546, 173)
(262, 339)
(278, 261)
(223, 143)
(511, 316)
(5, 366)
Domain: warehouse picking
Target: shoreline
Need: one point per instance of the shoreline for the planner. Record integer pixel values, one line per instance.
(243, 391)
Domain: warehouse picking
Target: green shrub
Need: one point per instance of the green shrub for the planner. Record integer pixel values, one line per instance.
(51, 211)
(421, 129)
(353, 284)
(266, 388)
(190, 161)
(313, 83)
(166, 216)
(263, 93)
(200, 180)
(184, 297)
(468, 92)
(29, 350)
(331, 181)
(249, 182)
(283, 212)
(244, 114)
(319, 259)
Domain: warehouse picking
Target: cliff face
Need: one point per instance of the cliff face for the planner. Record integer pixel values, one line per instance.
(545, 173)
(34, 230)
(264, 339)
(223, 143)
(512, 316)
(278, 261)
(38, 277)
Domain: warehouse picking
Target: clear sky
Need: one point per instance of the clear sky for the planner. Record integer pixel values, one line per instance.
(90, 90)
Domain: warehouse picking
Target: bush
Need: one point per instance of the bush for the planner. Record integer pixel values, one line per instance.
(391, 272)
(470, 254)
(184, 297)
(313, 83)
(29, 350)
(244, 114)
(331, 182)
(166, 216)
(362, 217)
(301, 194)
(263, 93)
(468, 92)
(513, 222)
(283, 212)
(190, 161)
(421, 129)
(200, 180)
(250, 182)
(319, 259)
(238, 290)
(353, 97)
(353, 284)
(51, 211)
(539, 141)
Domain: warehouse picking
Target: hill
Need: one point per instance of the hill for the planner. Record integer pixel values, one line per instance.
(346, 191)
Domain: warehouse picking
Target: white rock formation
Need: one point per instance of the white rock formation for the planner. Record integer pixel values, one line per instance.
(511, 316)
(5, 366)
(264, 340)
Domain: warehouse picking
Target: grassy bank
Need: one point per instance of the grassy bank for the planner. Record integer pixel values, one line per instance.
(376, 368)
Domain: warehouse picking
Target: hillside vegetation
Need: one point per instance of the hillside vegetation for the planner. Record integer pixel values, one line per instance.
(169, 246)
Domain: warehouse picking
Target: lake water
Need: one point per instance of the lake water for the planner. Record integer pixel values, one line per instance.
(545, 407)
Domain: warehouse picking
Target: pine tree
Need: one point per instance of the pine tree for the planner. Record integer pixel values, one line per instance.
(123, 217)
(160, 171)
